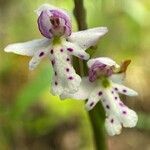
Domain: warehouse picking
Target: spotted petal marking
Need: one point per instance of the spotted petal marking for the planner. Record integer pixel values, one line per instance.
(64, 71)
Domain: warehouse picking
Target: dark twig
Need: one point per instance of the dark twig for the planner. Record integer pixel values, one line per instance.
(96, 115)
(80, 14)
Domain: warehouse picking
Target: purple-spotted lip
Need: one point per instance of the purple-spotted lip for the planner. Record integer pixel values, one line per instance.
(45, 26)
(99, 69)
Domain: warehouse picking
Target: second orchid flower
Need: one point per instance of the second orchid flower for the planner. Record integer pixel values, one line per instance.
(104, 85)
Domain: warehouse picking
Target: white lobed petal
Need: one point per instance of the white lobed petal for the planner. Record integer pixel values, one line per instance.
(76, 50)
(70, 81)
(130, 119)
(27, 48)
(83, 92)
(87, 38)
(104, 60)
(117, 78)
(38, 56)
(108, 102)
(93, 99)
(124, 90)
(113, 125)
(71, 86)
(126, 116)
(56, 89)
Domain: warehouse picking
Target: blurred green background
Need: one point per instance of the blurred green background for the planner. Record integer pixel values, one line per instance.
(31, 118)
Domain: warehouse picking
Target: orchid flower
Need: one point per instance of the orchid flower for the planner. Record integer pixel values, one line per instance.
(59, 44)
(104, 85)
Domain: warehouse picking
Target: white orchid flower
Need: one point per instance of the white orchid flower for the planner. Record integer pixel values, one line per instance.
(59, 44)
(105, 86)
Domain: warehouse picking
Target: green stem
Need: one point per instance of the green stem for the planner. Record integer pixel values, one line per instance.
(97, 115)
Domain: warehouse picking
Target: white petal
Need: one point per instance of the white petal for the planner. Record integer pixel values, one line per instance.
(64, 69)
(126, 116)
(130, 119)
(38, 56)
(76, 50)
(104, 60)
(117, 112)
(72, 85)
(94, 97)
(87, 38)
(83, 92)
(117, 78)
(56, 88)
(113, 125)
(109, 102)
(27, 48)
(124, 90)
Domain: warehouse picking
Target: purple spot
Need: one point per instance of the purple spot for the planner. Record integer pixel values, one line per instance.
(107, 106)
(70, 78)
(112, 120)
(121, 104)
(67, 59)
(50, 30)
(124, 112)
(52, 51)
(92, 103)
(124, 91)
(61, 50)
(53, 62)
(67, 69)
(116, 89)
(81, 56)
(116, 98)
(100, 93)
(41, 54)
(112, 92)
(70, 49)
(56, 83)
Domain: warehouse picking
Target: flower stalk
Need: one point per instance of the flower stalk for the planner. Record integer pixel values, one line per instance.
(96, 115)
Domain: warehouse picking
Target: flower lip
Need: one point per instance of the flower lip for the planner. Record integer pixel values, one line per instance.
(54, 22)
